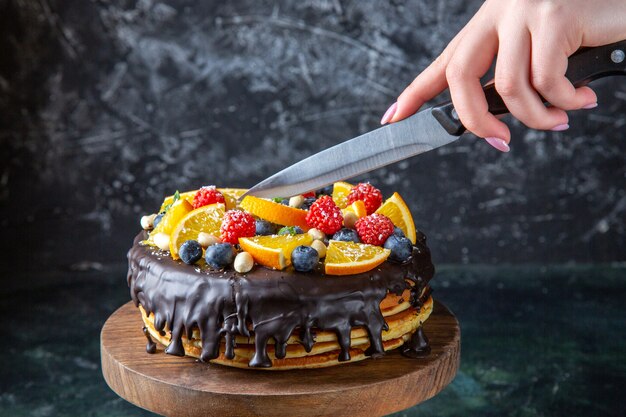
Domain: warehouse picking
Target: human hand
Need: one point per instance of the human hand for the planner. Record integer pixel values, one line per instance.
(532, 40)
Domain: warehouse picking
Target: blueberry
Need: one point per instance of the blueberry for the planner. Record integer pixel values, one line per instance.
(398, 232)
(264, 228)
(284, 201)
(304, 258)
(190, 252)
(347, 235)
(290, 230)
(219, 256)
(308, 202)
(328, 190)
(401, 248)
(157, 219)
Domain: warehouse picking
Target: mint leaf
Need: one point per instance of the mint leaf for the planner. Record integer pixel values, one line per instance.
(288, 230)
(174, 199)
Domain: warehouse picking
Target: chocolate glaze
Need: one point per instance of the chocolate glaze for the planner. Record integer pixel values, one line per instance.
(418, 346)
(150, 346)
(274, 303)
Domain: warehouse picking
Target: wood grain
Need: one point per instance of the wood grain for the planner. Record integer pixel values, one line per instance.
(183, 387)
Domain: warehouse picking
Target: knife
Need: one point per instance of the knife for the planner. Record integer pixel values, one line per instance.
(419, 133)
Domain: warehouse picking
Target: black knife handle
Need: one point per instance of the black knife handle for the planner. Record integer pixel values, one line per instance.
(584, 66)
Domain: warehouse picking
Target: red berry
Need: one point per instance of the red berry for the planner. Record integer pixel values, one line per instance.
(237, 224)
(324, 215)
(366, 192)
(309, 194)
(207, 195)
(374, 229)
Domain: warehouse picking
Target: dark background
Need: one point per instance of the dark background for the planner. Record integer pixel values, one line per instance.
(107, 106)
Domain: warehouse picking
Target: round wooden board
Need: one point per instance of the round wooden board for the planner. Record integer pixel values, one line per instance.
(183, 387)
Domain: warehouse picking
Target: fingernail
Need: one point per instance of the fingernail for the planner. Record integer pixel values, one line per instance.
(499, 144)
(560, 128)
(590, 106)
(389, 114)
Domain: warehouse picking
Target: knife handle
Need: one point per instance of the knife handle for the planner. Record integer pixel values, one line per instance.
(584, 66)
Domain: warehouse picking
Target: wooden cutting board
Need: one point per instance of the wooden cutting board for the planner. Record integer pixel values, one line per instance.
(183, 387)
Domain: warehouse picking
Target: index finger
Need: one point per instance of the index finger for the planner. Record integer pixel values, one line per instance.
(471, 61)
(428, 84)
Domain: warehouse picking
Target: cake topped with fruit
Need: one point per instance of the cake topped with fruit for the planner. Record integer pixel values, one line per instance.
(314, 280)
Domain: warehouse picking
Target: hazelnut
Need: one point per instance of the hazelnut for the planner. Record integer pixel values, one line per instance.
(206, 239)
(316, 234)
(147, 222)
(296, 201)
(162, 240)
(319, 246)
(349, 219)
(243, 262)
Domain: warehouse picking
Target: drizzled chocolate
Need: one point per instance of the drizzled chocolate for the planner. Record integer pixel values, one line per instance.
(417, 346)
(150, 345)
(222, 304)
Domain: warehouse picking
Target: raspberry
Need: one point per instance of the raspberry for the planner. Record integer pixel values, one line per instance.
(207, 195)
(237, 224)
(370, 195)
(374, 229)
(324, 215)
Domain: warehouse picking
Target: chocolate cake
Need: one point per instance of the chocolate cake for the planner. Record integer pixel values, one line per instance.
(275, 313)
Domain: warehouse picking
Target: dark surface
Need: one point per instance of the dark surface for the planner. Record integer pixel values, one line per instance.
(536, 341)
(105, 107)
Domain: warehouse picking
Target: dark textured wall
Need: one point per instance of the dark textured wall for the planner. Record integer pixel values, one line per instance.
(106, 106)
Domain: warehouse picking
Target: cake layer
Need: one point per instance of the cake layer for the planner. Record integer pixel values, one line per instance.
(401, 327)
(400, 322)
(391, 305)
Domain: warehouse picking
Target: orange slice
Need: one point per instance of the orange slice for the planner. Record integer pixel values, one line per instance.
(206, 219)
(358, 208)
(340, 193)
(177, 211)
(275, 212)
(274, 251)
(187, 195)
(231, 195)
(348, 258)
(396, 209)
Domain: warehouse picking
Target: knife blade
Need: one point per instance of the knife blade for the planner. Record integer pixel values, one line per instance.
(412, 136)
(422, 132)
